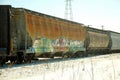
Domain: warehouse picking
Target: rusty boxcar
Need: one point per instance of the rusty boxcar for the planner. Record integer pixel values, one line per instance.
(52, 35)
(25, 33)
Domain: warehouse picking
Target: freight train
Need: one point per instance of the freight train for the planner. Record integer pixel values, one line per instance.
(27, 35)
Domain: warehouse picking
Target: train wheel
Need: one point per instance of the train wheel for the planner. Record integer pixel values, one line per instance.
(73, 56)
(13, 59)
(28, 58)
(2, 60)
(1, 63)
(20, 57)
(65, 56)
(52, 56)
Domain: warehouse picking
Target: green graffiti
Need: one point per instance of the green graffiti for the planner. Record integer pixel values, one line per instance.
(42, 45)
(76, 46)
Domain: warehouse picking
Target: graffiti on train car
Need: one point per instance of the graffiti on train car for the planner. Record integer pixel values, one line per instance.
(42, 45)
(76, 45)
(60, 44)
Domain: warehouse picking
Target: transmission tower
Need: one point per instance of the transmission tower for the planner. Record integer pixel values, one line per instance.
(68, 10)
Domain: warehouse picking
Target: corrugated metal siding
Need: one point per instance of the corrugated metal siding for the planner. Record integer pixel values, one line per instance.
(115, 37)
(53, 28)
(30, 27)
(41, 26)
(98, 40)
(60, 35)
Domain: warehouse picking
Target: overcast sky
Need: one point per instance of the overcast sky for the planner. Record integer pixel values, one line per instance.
(88, 12)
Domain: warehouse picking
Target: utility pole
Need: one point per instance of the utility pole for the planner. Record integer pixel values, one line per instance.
(102, 27)
(68, 10)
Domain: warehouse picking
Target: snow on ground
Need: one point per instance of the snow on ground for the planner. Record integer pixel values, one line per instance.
(93, 68)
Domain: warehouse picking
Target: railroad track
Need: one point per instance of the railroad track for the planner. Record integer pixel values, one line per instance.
(36, 62)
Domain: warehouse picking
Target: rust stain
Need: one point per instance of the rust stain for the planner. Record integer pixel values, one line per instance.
(53, 28)
(30, 25)
(37, 27)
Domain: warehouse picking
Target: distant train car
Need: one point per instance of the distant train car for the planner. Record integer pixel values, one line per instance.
(114, 41)
(98, 41)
